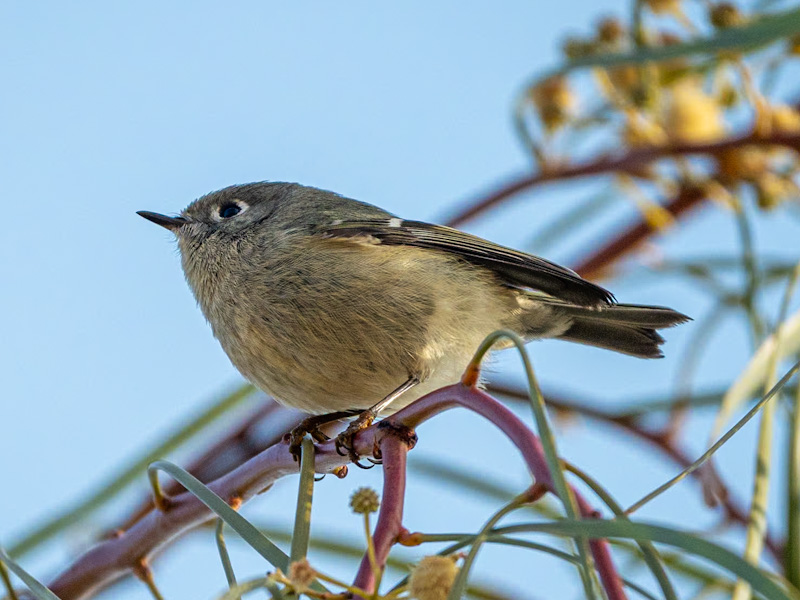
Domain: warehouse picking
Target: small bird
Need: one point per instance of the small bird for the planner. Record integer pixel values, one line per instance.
(334, 306)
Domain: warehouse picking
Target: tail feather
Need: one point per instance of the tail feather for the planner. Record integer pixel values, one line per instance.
(626, 328)
(636, 341)
(656, 317)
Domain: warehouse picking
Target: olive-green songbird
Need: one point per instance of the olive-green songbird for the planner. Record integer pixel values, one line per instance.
(331, 305)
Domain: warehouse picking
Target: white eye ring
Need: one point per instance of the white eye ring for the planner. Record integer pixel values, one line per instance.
(228, 210)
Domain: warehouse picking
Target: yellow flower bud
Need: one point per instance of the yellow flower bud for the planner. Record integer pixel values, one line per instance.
(553, 101)
(793, 45)
(661, 7)
(433, 577)
(772, 190)
(575, 47)
(725, 15)
(692, 115)
(785, 119)
(626, 79)
(610, 31)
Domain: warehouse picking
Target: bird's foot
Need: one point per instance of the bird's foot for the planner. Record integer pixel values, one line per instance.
(344, 441)
(310, 426)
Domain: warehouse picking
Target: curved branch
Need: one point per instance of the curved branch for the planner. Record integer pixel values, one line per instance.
(242, 442)
(394, 451)
(631, 162)
(733, 512)
(112, 559)
(594, 266)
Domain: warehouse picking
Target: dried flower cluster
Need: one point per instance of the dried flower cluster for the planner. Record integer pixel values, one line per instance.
(675, 102)
(433, 577)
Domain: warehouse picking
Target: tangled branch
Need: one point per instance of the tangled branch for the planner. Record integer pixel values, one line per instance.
(114, 558)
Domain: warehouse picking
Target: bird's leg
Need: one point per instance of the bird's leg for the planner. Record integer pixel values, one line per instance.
(344, 441)
(310, 425)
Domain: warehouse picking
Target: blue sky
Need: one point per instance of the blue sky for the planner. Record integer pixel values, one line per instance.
(110, 108)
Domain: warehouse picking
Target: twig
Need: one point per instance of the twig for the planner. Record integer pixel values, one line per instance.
(241, 443)
(595, 265)
(631, 162)
(718, 444)
(112, 559)
(394, 451)
(6, 578)
(662, 441)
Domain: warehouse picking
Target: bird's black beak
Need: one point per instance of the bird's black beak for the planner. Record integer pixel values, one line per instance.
(171, 223)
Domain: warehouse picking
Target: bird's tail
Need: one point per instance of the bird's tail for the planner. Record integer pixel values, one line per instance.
(626, 328)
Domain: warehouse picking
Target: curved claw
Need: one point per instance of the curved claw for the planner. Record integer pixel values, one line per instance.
(357, 463)
(339, 447)
(295, 444)
(319, 436)
(344, 447)
(344, 441)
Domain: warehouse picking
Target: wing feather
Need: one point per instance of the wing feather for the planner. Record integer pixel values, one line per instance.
(515, 268)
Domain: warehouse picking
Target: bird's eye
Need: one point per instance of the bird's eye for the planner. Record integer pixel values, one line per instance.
(226, 211)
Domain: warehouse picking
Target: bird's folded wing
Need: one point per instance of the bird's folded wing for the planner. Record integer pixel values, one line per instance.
(515, 268)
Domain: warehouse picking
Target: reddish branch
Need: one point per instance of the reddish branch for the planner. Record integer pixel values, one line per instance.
(661, 440)
(112, 559)
(631, 162)
(394, 451)
(240, 444)
(594, 266)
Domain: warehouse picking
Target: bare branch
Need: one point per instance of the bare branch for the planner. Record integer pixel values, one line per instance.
(632, 162)
(112, 559)
(662, 441)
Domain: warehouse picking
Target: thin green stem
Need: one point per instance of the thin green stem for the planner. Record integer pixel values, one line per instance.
(792, 553)
(251, 585)
(39, 590)
(6, 577)
(373, 559)
(460, 583)
(131, 473)
(753, 280)
(305, 494)
(757, 522)
(224, 557)
(649, 552)
(351, 589)
(767, 584)
(275, 592)
(676, 561)
(160, 499)
(464, 541)
(237, 522)
(547, 438)
(718, 444)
